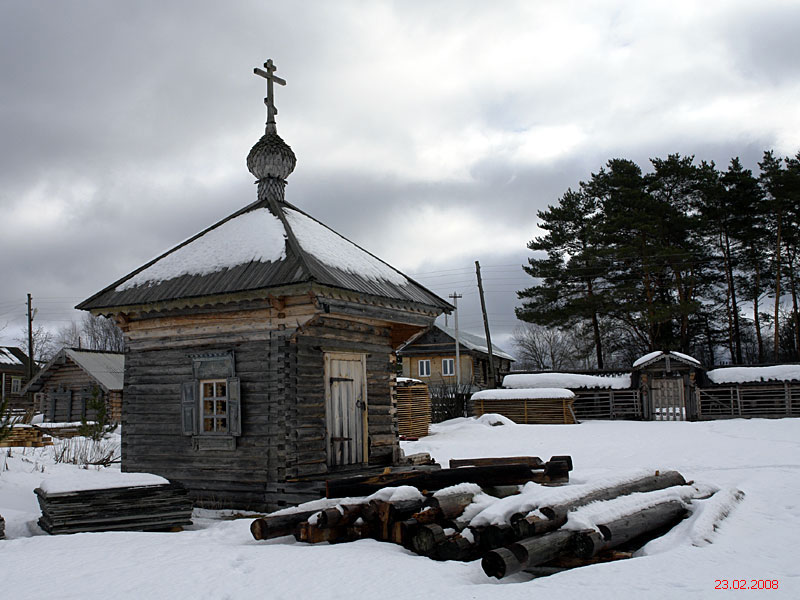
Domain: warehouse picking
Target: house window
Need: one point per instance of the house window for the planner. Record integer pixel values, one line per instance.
(424, 368)
(16, 385)
(211, 402)
(448, 366)
(214, 400)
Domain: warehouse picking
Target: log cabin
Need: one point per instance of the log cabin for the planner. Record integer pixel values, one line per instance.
(431, 357)
(13, 377)
(259, 352)
(63, 389)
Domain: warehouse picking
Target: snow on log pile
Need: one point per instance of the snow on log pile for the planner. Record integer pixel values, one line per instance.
(134, 502)
(536, 528)
(541, 406)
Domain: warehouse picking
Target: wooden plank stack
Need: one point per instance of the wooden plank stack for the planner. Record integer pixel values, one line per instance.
(164, 507)
(432, 525)
(413, 410)
(25, 436)
(535, 411)
(60, 430)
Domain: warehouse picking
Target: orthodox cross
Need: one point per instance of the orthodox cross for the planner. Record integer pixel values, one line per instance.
(269, 75)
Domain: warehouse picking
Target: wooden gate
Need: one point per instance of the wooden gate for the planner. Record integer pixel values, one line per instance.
(667, 399)
(346, 408)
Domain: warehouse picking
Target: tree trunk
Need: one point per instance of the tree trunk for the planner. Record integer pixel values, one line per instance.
(776, 345)
(648, 483)
(737, 336)
(625, 529)
(757, 318)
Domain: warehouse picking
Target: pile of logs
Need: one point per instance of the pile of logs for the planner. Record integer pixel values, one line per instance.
(2, 527)
(432, 525)
(25, 436)
(164, 507)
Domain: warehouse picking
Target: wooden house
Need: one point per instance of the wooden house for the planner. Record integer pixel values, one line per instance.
(259, 353)
(431, 357)
(13, 377)
(63, 389)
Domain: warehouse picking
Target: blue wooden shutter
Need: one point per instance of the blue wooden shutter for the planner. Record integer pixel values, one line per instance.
(189, 407)
(234, 407)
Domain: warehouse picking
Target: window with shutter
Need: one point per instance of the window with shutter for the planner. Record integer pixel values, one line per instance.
(211, 402)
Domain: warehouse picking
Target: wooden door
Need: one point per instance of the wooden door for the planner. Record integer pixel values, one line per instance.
(667, 399)
(346, 408)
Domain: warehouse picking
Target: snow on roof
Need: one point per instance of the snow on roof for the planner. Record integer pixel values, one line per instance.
(658, 353)
(254, 236)
(523, 394)
(336, 251)
(107, 368)
(567, 380)
(64, 483)
(475, 342)
(752, 374)
(7, 357)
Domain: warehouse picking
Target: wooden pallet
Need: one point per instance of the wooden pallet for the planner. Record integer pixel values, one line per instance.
(413, 410)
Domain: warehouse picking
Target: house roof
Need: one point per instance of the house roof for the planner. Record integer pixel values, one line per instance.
(474, 342)
(106, 368)
(469, 341)
(654, 357)
(12, 356)
(251, 250)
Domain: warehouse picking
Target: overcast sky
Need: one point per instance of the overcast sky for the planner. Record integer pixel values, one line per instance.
(428, 132)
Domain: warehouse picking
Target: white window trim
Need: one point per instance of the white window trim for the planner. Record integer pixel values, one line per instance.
(452, 364)
(426, 362)
(16, 385)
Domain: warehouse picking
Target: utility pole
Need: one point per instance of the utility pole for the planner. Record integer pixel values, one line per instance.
(455, 296)
(30, 340)
(486, 325)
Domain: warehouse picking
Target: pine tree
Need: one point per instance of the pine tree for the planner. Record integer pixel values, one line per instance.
(570, 290)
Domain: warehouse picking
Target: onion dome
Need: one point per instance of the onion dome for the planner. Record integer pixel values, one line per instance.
(271, 157)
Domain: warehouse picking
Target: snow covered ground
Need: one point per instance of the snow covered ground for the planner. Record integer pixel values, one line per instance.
(219, 559)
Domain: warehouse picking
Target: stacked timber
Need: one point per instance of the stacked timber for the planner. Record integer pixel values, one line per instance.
(2, 527)
(163, 507)
(413, 409)
(25, 436)
(539, 541)
(540, 406)
(61, 430)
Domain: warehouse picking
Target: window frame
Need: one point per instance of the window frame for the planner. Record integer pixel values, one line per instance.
(452, 363)
(427, 362)
(16, 382)
(216, 416)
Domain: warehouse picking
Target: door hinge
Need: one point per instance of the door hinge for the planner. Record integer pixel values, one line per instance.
(340, 439)
(335, 379)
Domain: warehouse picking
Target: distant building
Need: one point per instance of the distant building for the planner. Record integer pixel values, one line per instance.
(13, 376)
(64, 387)
(431, 357)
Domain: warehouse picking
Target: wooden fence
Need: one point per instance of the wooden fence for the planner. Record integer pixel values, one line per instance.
(605, 404)
(766, 400)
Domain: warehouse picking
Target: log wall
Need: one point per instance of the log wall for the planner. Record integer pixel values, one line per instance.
(281, 456)
(65, 393)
